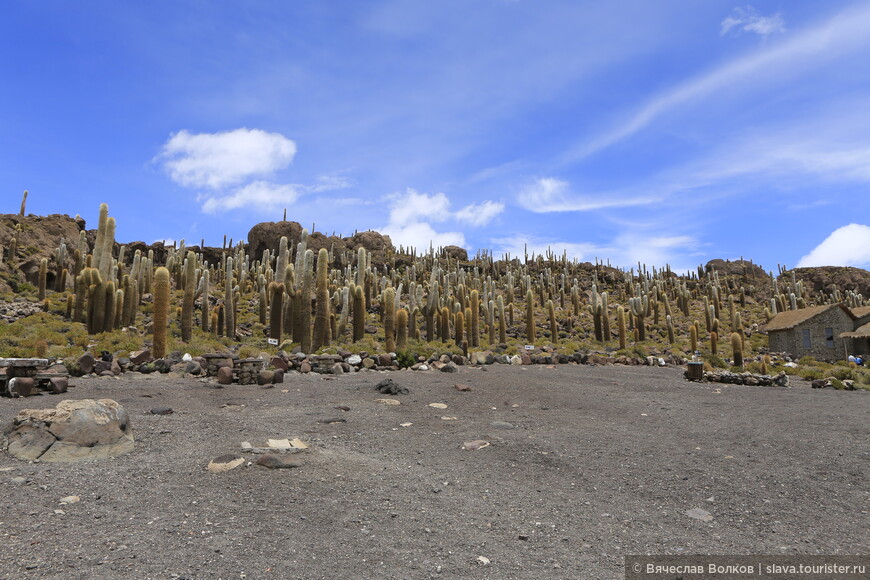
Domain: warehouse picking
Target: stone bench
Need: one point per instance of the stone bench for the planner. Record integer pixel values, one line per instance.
(23, 374)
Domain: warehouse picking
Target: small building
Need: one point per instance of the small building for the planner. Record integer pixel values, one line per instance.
(814, 331)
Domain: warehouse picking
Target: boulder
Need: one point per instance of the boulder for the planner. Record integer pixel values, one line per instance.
(225, 376)
(72, 431)
(140, 357)
(85, 363)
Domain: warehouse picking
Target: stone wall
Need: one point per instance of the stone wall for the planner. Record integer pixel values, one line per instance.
(791, 340)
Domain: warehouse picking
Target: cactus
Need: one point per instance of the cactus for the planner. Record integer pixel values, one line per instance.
(160, 322)
(714, 342)
(459, 327)
(605, 319)
(110, 306)
(670, 322)
(530, 316)
(401, 329)
(13, 249)
(502, 326)
(737, 349)
(693, 338)
(229, 314)
(551, 313)
(475, 319)
(205, 282)
(389, 309)
(321, 317)
(276, 311)
(639, 306)
(43, 274)
(189, 281)
(444, 330)
(359, 313)
(23, 204)
(620, 327)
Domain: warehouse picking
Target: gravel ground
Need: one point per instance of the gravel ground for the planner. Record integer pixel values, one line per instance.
(601, 462)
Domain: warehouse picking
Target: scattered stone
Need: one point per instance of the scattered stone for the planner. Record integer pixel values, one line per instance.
(516, 360)
(388, 401)
(162, 411)
(279, 443)
(20, 386)
(72, 431)
(225, 375)
(246, 446)
(462, 388)
(140, 357)
(305, 367)
(502, 425)
(265, 377)
(298, 444)
(70, 499)
(438, 405)
(332, 421)
(337, 369)
(224, 463)
(449, 367)
(272, 461)
(19, 480)
(475, 445)
(85, 363)
(483, 561)
(354, 359)
(58, 385)
(342, 408)
(821, 383)
(390, 387)
(699, 514)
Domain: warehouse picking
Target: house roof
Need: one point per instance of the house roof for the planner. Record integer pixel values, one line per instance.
(860, 332)
(791, 318)
(861, 311)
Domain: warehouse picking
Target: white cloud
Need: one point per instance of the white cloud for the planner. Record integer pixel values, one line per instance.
(747, 19)
(412, 212)
(548, 194)
(846, 32)
(479, 214)
(846, 246)
(625, 251)
(259, 194)
(219, 159)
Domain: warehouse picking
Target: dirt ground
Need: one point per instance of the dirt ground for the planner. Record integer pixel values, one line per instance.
(601, 462)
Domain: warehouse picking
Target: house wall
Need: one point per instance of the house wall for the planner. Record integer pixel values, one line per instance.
(791, 340)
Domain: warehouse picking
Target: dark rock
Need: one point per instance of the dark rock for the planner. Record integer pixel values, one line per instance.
(140, 357)
(85, 363)
(278, 363)
(449, 367)
(385, 360)
(265, 377)
(278, 377)
(20, 386)
(821, 383)
(225, 376)
(305, 367)
(58, 385)
(162, 411)
(390, 387)
(273, 461)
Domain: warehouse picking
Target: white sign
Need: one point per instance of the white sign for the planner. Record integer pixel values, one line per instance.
(530, 347)
(273, 341)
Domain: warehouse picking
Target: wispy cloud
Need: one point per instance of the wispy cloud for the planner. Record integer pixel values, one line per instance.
(747, 19)
(846, 246)
(548, 194)
(219, 159)
(259, 193)
(479, 214)
(412, 212)
(844, 32)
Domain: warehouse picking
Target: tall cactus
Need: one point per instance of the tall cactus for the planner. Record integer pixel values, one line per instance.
(621, 328)
(530, 316)
(160, 320)
(276, 311)
(188, 298)
(229, 311)
(43, 275)
(321, 316)
(502, 323)
(401, 329)
(737, 349)
(359, 313)
(389, 310)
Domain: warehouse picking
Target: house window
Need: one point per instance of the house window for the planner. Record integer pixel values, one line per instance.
(805, 334)
(829, 337)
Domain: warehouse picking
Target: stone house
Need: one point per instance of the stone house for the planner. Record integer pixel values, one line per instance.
(858, 340)
(815, 331)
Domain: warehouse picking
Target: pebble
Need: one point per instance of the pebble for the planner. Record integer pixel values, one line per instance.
(162, 411)
(502, 425)
(272, 461)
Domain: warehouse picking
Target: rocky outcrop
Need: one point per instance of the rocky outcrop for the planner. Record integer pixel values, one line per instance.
(73, 431)
(37, 238)
(824, 277)
(267, 235)
(735, 268)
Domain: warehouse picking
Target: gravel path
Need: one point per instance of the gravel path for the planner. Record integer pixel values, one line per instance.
(585, 465)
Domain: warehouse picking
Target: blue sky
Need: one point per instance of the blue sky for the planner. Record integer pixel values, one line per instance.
(661, 132)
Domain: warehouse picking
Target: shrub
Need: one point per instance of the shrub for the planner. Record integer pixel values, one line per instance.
(405, 359)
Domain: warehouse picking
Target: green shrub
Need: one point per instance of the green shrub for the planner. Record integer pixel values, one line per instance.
(405, 359)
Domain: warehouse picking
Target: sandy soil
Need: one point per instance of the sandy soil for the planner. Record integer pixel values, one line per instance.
(601, 462)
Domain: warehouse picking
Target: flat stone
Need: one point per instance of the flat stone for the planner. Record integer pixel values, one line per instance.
(161, 411)
(224, 463)
(502, 425)
(699, 514)
(272, 461)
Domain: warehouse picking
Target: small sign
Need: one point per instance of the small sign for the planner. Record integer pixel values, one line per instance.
(530, 347)
(273, 341)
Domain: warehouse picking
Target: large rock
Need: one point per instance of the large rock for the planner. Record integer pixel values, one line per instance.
(267, 235)
(72, 431)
